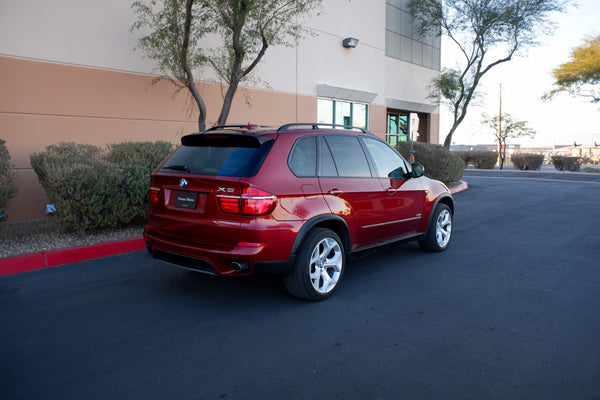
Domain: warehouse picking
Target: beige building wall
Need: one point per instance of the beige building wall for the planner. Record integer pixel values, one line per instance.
(70, 74)
(45, 103)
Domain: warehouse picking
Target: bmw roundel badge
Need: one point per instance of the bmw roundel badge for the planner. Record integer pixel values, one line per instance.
(183, 183)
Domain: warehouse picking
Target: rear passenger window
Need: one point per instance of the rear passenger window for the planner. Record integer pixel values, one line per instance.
(348, 155)
(303, 158)
(326, 164)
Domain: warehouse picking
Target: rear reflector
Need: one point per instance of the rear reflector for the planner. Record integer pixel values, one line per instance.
(250, 244)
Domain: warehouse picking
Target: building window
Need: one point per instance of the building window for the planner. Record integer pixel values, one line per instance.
(402, 41)
(397, 128)
(339, 112)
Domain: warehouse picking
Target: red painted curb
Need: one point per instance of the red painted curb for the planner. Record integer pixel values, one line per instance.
(26, 262)
(52, 258)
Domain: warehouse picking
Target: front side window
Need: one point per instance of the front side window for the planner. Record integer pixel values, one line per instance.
(388, 163)
(339, 112)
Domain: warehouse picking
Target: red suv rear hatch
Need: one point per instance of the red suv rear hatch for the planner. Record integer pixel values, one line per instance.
(193, 215)
(196, 196)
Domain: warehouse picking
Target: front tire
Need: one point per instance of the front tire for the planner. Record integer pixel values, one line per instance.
(319, 266)
(439, 231)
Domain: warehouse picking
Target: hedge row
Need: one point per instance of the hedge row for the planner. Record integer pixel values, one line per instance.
(566, 163)
(439, 162)
(527, 161)
(480, 159)
(591, 170)
(94, 188)
(8, 179)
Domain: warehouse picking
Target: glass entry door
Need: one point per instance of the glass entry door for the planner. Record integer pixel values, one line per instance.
(397, 128)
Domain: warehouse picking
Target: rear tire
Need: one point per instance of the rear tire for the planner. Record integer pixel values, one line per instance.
(319, 266)
(439, 230)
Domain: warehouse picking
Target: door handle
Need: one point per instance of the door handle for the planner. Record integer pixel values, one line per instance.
(335, 192)
(392, 190)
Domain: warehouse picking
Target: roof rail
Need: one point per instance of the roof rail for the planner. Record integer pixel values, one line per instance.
(317, 126)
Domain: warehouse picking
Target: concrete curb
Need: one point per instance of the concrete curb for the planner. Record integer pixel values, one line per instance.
(459, 188)
(53, 258)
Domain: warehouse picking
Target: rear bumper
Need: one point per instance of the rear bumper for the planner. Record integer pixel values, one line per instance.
(238, 261)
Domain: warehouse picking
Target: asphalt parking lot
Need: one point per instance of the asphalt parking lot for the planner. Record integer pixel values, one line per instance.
(510, 310)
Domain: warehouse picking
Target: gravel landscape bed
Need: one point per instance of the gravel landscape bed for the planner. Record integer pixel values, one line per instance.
(35, 236)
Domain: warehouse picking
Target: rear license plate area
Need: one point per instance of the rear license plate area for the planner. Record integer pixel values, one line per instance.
(187, 200)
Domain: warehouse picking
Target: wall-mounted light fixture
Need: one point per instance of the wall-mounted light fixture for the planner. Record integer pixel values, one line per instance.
(350, 42)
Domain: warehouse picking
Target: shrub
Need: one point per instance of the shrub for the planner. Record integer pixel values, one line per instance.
(8, 179)
(439, 162)
(591, 170)
(465, 156)
(94, 189)
(566, 163)
(527, 161)
(57, 159)
(480, 159)
(92, 197)
(136, 161)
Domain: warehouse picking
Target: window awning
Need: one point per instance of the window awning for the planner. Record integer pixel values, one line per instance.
(340, 93)
(411, 106)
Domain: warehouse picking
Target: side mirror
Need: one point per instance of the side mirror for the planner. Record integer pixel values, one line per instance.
(417, 170)
(398, 173)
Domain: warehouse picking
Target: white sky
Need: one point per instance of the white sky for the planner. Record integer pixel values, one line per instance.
(525, 79)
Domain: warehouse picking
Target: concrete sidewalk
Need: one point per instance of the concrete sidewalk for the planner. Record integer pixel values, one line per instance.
(546, 173)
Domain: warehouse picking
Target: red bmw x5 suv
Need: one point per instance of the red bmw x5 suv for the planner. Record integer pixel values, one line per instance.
(292, 201)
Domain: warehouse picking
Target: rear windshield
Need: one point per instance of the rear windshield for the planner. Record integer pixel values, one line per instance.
(219, 154)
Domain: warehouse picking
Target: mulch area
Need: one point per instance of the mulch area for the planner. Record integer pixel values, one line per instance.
(35, 236)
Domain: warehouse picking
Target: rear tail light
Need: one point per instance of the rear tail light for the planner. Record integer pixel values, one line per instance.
(230, 205)
(253, 201)
(256, 201)
(153, 195)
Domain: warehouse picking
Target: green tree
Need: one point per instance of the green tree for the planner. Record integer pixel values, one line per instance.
(173, 30)
(510, 128)
(581, 75)
(487, 33)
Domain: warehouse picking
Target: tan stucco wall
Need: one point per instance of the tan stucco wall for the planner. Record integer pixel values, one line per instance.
(434, 128)
(377, 120)
(45, 103)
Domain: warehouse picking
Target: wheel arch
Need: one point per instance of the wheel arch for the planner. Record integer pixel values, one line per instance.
(329, 221)
(448, 200)
(444, 199)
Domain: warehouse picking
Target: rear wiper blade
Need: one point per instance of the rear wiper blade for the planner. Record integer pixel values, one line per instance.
(182, 168)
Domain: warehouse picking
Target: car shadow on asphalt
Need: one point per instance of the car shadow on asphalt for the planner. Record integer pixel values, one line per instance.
(227, 291)
(223, 289)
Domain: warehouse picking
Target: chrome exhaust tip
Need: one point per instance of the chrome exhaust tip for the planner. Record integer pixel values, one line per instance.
(239, 266)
